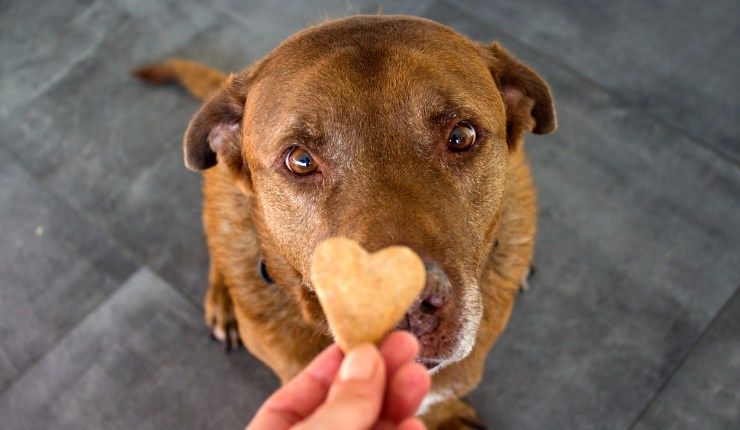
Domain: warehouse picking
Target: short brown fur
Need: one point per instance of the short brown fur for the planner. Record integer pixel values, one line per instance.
(352, 80)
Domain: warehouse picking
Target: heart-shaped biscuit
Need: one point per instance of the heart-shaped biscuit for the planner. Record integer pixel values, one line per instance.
(363, 295)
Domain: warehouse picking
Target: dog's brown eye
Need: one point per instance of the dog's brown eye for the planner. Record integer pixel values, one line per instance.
(462, 137)
(299, 161)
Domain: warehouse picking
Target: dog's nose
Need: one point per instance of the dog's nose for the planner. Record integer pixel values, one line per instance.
(423, 317)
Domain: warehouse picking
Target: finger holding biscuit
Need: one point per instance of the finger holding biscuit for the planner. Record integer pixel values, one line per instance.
(367, 388)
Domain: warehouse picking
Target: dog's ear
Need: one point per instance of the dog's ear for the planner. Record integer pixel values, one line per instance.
(529, 104)
(214, 132)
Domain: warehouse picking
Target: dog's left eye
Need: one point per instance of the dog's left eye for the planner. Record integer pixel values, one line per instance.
(299, 161)
(462, 137)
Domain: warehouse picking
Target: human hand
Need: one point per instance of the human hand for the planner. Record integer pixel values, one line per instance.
(369, 388)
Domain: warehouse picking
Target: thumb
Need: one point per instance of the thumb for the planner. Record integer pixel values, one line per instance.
(356, 396)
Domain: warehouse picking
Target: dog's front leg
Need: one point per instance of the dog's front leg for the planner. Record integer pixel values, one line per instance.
(452, 414)
(219, 311)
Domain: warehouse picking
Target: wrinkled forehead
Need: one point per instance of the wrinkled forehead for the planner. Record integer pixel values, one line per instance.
(372, 74)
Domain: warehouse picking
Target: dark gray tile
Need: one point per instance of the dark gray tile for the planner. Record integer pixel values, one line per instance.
(705, 392)
(41, 44)
(261, 26)
(54, 269)
(637, 251)
(141, 360)
(112, 145)
(266, 24)
(672, 58)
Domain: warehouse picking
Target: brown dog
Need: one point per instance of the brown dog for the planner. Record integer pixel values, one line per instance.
(385, 129)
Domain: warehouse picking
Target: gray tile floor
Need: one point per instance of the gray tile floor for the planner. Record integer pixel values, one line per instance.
(633, 319)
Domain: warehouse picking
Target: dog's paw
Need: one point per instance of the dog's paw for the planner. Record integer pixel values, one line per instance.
(219, 314)
(463, 421)
(524, 283)
(453, 415)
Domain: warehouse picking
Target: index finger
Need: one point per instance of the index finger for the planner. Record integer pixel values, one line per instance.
(297, 399)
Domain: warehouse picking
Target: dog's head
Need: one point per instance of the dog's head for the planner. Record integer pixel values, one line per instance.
(387, 130)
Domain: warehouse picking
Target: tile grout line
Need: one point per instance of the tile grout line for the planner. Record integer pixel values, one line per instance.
(100, 229)
(84, 318)
(104, 232)
(669, 125)
(68, 68)
(679, 365)
(61, 338)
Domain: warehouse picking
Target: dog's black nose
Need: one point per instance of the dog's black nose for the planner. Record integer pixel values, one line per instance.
(423, 316)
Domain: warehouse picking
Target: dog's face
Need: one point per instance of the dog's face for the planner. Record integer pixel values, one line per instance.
(387, 130)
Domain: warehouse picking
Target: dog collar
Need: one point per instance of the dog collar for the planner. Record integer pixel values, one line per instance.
(264, 273)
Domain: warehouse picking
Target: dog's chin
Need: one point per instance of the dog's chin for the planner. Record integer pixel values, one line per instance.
(431, 364)
(436, 357)
(452, 341)
(435, 362)
(441, 347)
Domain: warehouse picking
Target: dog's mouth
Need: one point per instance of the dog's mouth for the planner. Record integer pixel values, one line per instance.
(430, 363)
(436, 322)
(444, 318)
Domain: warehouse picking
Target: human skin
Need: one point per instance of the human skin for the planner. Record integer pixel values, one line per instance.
(370, 387)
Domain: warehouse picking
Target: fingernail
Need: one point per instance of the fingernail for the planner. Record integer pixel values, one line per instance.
(359, 364)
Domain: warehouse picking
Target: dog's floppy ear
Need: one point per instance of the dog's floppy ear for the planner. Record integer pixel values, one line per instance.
(215, 131)
(529, 104)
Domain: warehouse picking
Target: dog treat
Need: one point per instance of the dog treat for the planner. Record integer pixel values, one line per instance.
(364, 295)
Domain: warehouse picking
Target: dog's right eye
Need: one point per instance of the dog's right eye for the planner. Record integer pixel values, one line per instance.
(462, 137)
(299, 161)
